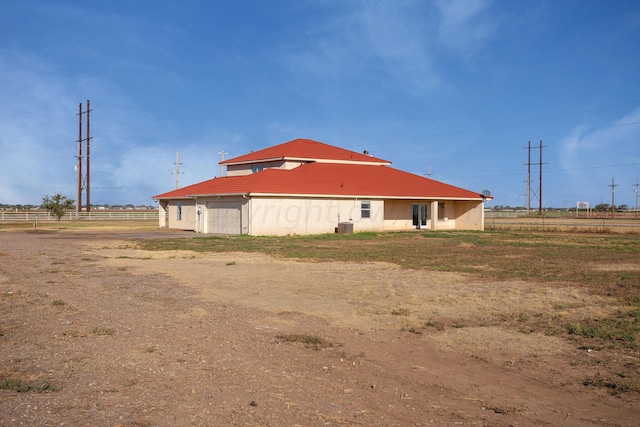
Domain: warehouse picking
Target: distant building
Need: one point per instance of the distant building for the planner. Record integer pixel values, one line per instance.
(308, 187)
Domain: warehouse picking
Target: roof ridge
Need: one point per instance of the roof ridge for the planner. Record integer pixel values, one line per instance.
(301, 149)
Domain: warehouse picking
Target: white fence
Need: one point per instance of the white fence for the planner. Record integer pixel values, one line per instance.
(503, 214)
(92, 216)
(595, 225)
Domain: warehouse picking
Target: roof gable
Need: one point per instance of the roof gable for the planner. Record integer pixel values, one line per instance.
(306, 150)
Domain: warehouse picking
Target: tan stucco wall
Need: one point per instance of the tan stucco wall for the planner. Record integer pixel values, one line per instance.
(398, 215)
(284, 216)
(469, 215)
(458, 215)
(188, 221)
(163, 207)
(279, 216)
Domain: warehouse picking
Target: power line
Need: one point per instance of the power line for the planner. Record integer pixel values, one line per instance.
(514, 173)
(595, 167)
(520, 122)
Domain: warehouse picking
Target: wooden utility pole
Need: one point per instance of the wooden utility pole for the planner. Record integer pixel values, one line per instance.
(82, 181)
(222, 153)
(88, 156)
(540, 191)
(177, 169)
(613, 186)
(529, 178)
(79, 167)
(636, 190)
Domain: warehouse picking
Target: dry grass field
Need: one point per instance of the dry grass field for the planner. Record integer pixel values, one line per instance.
(130, 325)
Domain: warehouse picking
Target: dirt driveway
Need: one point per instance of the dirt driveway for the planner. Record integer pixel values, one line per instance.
(97, 332)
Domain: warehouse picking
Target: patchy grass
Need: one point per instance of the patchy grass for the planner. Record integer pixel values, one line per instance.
(433, 324)
(102, 331)
(494, 255)
(623, 328)
(615, 385)
(79, 225)
(131, 257)
(57, 303)
(309, 341)
(600, 264)
(17, 385)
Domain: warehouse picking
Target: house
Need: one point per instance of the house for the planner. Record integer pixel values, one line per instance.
(308, 187)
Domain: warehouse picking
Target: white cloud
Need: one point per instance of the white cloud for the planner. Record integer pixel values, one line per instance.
(611, 138)
(36, 120)
(590, 157)
(393, 39)
(465, 26)
(39, 132)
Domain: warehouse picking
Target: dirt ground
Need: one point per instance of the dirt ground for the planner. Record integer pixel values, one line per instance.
(125, 337)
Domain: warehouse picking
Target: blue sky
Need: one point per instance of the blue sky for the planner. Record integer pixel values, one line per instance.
(456, 88)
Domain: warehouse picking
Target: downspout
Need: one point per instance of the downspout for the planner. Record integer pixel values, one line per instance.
(355, 203)
(244, 196)
(484, 200)
(198, 215)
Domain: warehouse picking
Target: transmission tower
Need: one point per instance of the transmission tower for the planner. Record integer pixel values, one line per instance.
(529, 164)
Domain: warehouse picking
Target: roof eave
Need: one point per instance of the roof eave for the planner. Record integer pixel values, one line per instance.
(193, 196)
(318, 195)
(363, 196)
(379, 162)
(246, 162)
(156, 198)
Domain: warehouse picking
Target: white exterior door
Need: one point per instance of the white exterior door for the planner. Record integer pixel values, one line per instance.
(224, 218)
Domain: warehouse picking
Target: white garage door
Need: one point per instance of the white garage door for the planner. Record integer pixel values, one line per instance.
(224, 218)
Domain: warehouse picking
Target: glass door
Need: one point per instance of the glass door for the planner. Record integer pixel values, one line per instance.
(420, 215)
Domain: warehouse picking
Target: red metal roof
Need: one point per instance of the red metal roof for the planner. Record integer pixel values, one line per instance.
(304, 149)
(327, 179)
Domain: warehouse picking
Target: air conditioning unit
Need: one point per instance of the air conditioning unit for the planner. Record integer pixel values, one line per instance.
(345, 228)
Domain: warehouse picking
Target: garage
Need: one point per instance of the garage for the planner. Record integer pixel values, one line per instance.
(224, 218)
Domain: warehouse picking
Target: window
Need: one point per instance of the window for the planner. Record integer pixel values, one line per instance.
(365, 209)
(441, 211)
(179, 211)
(257, 168)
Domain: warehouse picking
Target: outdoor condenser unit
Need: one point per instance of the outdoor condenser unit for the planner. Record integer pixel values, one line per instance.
(345, 228)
